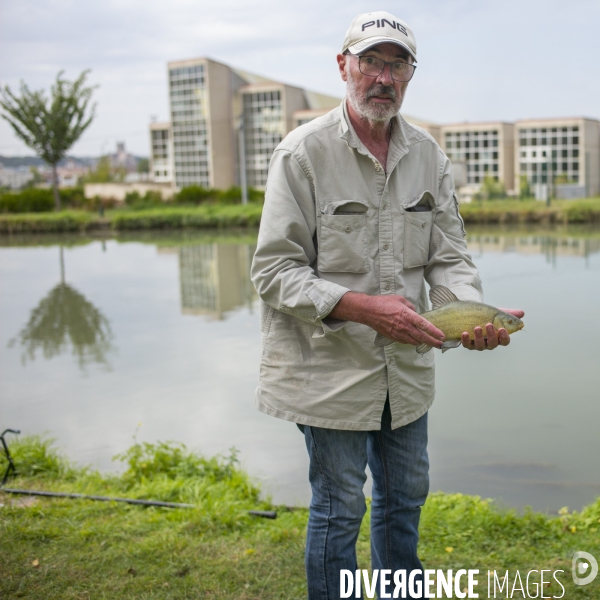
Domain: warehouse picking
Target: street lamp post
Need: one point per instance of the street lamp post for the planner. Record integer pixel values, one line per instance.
(242, 145)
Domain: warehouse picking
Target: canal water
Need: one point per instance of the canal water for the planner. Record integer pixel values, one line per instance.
(157, 337)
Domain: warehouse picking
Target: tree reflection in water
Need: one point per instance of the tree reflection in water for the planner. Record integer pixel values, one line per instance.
(66, 318)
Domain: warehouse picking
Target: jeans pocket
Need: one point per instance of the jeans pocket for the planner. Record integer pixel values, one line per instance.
(343, 244)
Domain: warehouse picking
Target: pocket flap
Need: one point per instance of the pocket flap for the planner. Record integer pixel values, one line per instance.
(423, 203)
(345, 207)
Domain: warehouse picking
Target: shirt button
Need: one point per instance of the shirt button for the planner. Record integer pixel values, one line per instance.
(347, 228)
(423, 225)
(384, 206)
(387, 286)
(385, 246)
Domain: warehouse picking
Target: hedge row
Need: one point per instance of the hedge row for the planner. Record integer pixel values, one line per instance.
(42, 199)
(203, 217)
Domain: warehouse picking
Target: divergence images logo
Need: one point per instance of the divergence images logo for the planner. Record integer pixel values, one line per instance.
(587, 564)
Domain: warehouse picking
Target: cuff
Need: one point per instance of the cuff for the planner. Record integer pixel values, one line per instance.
(325, 295)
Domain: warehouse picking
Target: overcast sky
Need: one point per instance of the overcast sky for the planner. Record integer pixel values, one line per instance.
(478, 59)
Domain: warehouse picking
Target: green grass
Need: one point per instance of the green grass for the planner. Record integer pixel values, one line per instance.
(166, 217)
(71, 549)
(215, 216)
(532, 211)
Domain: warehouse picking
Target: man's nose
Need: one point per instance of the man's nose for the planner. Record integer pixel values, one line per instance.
(385, 77)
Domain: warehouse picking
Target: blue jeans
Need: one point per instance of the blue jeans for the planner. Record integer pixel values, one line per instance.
(400, 467)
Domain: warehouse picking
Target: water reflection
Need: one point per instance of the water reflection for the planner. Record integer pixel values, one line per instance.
(215, 278)
(534, 243)
(531, 438)
(65, 318)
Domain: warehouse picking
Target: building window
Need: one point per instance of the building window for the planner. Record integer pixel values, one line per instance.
(264, 128)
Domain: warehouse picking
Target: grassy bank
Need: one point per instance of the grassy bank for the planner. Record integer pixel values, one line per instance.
(168, 217)
(532, 211)
(63, 549)
(215, 216)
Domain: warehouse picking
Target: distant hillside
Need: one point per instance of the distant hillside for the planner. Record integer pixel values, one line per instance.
(34, 161)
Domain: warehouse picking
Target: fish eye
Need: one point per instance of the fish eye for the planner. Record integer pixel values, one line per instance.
(510, 321)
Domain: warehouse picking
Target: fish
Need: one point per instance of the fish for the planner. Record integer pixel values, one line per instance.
(453, 316)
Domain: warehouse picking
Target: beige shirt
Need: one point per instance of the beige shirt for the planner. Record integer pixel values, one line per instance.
(334, 220)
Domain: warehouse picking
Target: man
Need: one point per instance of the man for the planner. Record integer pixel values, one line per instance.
(359, 212)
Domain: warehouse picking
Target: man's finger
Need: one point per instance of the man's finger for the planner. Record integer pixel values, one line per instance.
(503, 337)
(514, 311)
(424, 338)
(429, 328)
(466, 341)
(492, 337)
(479, 339)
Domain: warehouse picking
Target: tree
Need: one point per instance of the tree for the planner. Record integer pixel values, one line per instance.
(492, 189)
(143, 165)
(524, 187)
(102, 173)
(50, 128)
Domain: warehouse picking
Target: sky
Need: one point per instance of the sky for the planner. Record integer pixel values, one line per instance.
(478, 60)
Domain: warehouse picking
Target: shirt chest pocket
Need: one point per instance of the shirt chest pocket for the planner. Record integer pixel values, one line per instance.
(418, 221)
(343, 240)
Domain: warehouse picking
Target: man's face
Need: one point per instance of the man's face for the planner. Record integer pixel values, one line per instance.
(374, 98)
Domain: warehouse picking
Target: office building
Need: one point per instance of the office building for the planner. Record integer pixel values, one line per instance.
(559, 156)
(221, 116)
(161, 152)
(485, 150)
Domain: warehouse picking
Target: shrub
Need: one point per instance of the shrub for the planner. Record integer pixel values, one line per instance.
(30, 200)
(195, 194)
(150, 199)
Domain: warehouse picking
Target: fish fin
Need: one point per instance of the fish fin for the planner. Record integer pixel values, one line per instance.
(423, 348)
(450, 344)
(381, 341)
(440, 296)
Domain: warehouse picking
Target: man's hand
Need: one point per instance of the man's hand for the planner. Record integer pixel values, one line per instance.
(493, 338)
(390, 315)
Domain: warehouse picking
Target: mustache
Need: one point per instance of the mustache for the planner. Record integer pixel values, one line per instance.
(382, 90)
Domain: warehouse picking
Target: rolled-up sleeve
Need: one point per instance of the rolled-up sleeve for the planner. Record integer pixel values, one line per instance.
(449, 263)
(282, 269)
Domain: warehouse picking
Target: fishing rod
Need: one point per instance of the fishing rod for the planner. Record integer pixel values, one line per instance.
(265, 514)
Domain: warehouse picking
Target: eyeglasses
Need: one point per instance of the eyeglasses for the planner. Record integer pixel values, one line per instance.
(373, 67)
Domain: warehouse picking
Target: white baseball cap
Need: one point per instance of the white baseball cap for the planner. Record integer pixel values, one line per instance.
(370, 29)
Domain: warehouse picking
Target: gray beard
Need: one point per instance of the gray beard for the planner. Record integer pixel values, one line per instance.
(367, 110)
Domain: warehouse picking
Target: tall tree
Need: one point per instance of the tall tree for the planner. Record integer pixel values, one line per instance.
(50, 128)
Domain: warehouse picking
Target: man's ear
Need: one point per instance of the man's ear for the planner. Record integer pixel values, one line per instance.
(341, 60)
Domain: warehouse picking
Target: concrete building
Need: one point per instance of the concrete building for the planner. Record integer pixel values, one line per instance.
(161, 152)
(559, 156)
(210, 103)
(221, 116)
(484, 149)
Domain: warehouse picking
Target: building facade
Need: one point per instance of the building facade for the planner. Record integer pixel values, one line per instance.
(226, 123)
(485, 150)
(161, 152)
(559, 156)
(223, 117)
